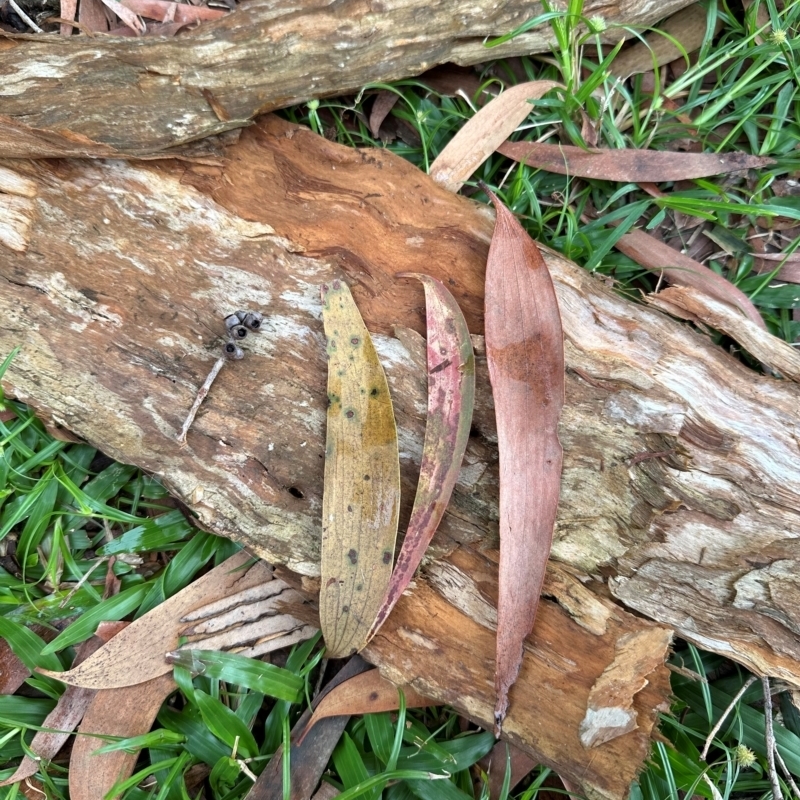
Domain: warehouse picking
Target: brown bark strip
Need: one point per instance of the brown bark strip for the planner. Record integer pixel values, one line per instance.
(253, 60)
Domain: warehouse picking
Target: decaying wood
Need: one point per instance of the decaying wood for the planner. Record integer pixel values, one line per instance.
(64, 96)
(680, 478)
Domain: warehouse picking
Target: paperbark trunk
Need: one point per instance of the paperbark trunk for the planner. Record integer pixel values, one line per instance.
(679, 494)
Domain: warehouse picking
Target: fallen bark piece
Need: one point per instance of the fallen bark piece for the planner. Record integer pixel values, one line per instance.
(137, 654)
(688, 303)
(683, 270)
(361, 496)
(367, 693)
(610, 712)
(451, 399)
(123, 712)
(673, 38)
(477, 139)
(253, 60)
(525, 354)
(623, 165)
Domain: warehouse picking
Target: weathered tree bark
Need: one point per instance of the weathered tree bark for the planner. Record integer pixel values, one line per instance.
(680, 478)
(63, 96)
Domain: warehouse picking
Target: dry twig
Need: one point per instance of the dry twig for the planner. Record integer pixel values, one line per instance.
(770, 738)
(715, 730)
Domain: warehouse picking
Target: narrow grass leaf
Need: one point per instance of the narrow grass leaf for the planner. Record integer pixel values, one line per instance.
(248, 672)
(200, 742)
(137, 653)
(482, 135)
(525, 355)
(113, 608)
(121, 713)
(225, 725)
(624, 165)
(350, 765)
(361, 496)
(28, 647)
(366, 693)
(451, 399)
(683, 270)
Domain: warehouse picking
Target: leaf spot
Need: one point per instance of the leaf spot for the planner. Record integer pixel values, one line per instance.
(352, 554)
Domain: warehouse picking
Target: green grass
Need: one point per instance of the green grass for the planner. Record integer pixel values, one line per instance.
(65, 509)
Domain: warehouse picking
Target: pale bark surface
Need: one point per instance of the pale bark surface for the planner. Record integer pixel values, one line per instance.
(139, 96)
(679, 493)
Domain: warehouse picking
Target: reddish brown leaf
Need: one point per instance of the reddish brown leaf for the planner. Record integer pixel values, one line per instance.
(497, 761)
(451, 399)
(451, 80)
(685, 271)
(137, 653)
(68, 10)
(92, 15)
(64, 718)
(622, 165)
(367, 693)
(383, 103)
(525, 354)
(13, 673)
(126, 15)
(113, 712)
(482, 135)
(164, 11)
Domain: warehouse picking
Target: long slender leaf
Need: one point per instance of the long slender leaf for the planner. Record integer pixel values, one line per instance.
(525, 353)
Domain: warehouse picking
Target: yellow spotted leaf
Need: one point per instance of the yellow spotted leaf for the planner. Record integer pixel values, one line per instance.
(361, 497)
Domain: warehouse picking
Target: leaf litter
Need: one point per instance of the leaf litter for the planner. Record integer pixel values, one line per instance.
(525, 355)
(451, 399)
(366, 693)
(361, 492)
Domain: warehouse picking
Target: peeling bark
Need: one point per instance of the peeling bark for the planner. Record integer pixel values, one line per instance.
(679, 491)
(104, 96)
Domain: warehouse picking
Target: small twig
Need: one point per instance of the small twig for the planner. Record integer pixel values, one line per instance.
(83, 580)
(24, 17)
(786, 773)
(201, 395)
(715, 730)
(770, 740)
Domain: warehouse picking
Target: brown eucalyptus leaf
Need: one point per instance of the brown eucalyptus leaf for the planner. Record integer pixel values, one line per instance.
(451, 399)
(383, 103)
(122, 712)
(683, 270)
(68, 10)
(310, 754)
(164, 11)
(361, 493)
(367, 693)
(137, 654)
(525, 354)
(61, 721)
(485, 132)
(92, 15)
(628, 165)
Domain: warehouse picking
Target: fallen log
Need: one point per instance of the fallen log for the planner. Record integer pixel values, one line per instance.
(679, 495)
(107, 96)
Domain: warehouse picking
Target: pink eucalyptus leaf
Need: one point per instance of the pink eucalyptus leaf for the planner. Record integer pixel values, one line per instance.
(451, 399)
(525, 354)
